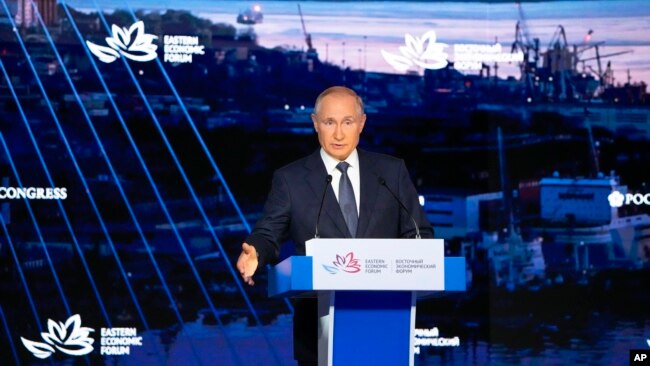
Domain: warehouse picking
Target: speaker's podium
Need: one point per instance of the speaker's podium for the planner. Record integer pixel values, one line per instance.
(367, 289)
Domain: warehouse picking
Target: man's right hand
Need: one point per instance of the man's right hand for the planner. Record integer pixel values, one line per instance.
(247, 263)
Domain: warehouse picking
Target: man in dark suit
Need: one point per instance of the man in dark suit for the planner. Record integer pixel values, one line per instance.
(358, 202)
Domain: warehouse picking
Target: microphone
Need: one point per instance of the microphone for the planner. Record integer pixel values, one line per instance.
(328, 180)
(382, 181)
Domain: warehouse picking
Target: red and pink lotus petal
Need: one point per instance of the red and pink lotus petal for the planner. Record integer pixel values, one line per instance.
(352, 269)
(349, 257)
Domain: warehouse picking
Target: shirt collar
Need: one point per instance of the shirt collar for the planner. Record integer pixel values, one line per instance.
(331, 163)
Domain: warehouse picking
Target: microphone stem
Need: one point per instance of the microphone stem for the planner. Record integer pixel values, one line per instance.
(328, 180)
(415, 224)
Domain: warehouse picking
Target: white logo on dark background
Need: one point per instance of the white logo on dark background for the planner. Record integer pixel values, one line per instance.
(132, 43)
(423, 51)
(616, 199)
(69, 338)
(33, 193)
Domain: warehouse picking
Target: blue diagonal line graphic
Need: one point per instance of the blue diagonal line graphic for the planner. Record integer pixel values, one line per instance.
(194, 197)
(29, 208)
(78, 170)
(151, 182)
(203, 145)
(19, 268)
(107, 159)
(8, 332)
(33, 217)
(55, 276)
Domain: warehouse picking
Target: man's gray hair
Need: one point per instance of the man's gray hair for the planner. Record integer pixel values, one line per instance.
(338, 90)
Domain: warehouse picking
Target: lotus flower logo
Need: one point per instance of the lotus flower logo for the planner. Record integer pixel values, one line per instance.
(70, 338)
(616, 199)
(346, 263)
(132, 43)
(424, 52)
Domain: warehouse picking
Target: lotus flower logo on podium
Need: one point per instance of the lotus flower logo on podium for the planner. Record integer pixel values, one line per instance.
(345, 263)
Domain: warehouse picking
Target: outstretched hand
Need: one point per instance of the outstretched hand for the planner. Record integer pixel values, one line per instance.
(247, 263)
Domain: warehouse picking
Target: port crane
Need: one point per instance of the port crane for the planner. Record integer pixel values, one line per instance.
(529, 48)
(310, 47)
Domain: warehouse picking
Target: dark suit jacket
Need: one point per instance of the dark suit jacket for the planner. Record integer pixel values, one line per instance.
(292, 205)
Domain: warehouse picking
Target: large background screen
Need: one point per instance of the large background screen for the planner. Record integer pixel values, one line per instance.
(138, 139)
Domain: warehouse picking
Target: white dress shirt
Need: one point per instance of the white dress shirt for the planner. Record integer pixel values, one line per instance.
(353, 173)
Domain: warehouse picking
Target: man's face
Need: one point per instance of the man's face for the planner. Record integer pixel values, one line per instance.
(339, 124)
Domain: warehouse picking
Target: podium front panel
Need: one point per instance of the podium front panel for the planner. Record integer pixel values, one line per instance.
(377, 264)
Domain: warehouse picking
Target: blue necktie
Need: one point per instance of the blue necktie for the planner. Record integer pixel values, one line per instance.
(346, 199)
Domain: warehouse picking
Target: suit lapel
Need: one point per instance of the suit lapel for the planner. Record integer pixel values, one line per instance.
(315, 177)
(369, 186)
